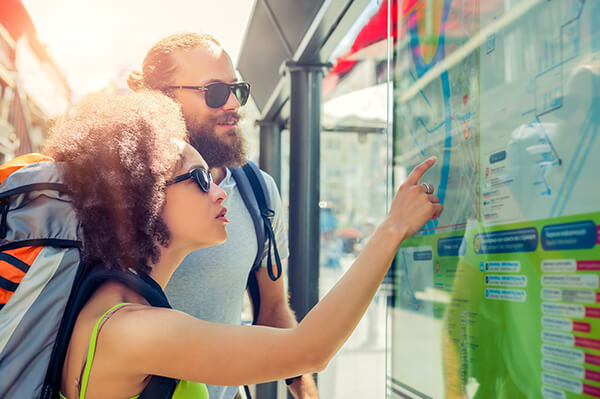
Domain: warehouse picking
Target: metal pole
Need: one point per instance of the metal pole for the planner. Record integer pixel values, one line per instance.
(305, 130)
(266, 391)
(270, 149)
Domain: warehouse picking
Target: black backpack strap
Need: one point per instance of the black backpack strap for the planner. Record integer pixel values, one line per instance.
(252, 187)
(247, 192)
(259, 187)
(159, 388)
(85, 284)
(252, 285)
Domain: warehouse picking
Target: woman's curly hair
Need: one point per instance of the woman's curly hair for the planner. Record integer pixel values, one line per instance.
(117, 152)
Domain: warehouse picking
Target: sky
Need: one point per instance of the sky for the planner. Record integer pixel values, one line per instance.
(96, 42)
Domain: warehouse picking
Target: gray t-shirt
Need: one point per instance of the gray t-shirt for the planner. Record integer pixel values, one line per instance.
(210, 283)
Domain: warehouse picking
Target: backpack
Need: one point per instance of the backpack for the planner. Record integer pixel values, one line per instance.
(43, 282)
(252, 187)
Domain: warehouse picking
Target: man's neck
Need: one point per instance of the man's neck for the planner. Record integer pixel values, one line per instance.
(218, 173)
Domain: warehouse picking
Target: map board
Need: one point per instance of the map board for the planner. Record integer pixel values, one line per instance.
(499, 297)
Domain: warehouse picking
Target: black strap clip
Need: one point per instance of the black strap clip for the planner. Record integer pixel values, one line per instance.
(4, 204)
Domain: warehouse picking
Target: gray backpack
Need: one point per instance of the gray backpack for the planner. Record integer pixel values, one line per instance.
(39, 253)
(43, 282)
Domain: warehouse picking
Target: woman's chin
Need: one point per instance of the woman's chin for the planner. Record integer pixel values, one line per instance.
(216, 241)
(210, 242)
(221, 241)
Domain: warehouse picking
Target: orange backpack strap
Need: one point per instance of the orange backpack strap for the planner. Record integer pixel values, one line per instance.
(17, 163)
(14, 264)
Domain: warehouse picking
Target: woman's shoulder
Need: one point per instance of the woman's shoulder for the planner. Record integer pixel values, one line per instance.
(98, 325)
(109, 294)
(112, 301)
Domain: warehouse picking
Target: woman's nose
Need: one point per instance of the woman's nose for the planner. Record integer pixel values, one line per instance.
(217, 194)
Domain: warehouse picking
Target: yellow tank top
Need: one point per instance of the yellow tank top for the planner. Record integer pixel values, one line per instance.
(184, 389)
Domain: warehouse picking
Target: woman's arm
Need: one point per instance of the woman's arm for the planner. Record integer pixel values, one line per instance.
(173, 344)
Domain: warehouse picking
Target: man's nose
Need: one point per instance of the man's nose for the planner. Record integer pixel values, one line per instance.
(232, 102)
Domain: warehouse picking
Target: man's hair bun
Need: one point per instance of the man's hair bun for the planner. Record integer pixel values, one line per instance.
(135, 81)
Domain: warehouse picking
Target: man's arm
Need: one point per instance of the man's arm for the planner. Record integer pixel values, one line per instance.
(275, 312)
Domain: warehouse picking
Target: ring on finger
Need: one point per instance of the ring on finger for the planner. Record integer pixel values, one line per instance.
(428, 188)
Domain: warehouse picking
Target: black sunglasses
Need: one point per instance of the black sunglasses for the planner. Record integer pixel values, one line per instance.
(217, 93)
(202, 177)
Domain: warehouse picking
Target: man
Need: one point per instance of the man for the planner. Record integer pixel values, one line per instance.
(210, 283)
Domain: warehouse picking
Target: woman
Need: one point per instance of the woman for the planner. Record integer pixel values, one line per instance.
(145, 200)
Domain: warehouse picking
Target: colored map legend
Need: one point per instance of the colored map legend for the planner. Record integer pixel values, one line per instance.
(572, 283)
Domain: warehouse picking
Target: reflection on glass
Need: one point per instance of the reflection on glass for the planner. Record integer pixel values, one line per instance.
(499, 298)
(354, 169)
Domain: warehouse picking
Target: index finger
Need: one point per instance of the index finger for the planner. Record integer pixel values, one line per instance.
(419, 171)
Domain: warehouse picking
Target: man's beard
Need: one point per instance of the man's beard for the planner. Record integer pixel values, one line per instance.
(214, 149)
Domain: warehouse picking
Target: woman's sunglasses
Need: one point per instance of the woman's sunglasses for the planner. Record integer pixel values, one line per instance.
(202, 177)
(217, 93)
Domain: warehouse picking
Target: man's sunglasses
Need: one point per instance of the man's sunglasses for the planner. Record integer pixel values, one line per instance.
(202, 177)
(217, 93)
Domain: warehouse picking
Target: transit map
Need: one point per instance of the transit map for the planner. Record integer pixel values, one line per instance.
(499, 298)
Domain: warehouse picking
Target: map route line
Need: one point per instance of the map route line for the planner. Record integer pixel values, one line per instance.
(421, 149)
(543, 181)
(439, 126)
(432, 130)
(445, 173)
(579, 12)
(463, 117)
(553, 67)
(558, 158)
(420, 90)
(421, 68)
(564, 61)
(531, 111)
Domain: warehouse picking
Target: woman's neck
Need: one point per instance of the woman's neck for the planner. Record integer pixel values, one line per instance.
(169, 259)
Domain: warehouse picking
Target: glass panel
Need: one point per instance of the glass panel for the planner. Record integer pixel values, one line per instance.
(353, 191)
(499, 297)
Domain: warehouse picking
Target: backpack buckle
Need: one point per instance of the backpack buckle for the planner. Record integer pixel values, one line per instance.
(268, 213)
(4, 207)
